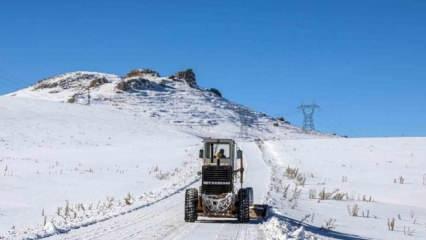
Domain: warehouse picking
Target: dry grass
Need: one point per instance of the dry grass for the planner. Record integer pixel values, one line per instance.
(353, 210)
(400, 180)
(293, 173)
(129, 200)
(391, 224)
(333, 195)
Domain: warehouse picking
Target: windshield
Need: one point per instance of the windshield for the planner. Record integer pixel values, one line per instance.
(219, 154)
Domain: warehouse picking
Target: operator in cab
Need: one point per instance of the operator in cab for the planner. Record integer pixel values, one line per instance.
(220, 154)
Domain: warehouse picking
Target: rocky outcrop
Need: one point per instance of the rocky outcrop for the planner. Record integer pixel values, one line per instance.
(76, 80)
(188, 76)
(136, 84)
(282, 120)
(215, 92)
(142, 73)
(98, 82)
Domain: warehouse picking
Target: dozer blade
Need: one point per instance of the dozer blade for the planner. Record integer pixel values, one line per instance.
(258, 211)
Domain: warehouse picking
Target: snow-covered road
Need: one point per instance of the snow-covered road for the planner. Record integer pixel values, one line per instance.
(164, 219)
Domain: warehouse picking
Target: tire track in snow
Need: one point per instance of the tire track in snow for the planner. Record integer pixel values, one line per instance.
(105, 227)
(231, 229)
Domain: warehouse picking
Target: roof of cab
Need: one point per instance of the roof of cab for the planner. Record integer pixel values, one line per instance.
(218, 140)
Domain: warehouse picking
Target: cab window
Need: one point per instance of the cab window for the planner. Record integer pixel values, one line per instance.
(219, 154)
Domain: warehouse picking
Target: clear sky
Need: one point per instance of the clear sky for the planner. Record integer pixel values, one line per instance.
(363, 62)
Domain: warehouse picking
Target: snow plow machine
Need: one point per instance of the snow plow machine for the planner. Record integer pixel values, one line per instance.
(219, 195)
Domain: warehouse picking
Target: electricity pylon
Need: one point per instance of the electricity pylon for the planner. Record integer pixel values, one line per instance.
(308, 111)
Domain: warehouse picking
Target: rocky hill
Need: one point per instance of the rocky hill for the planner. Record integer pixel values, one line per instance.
(176, 99)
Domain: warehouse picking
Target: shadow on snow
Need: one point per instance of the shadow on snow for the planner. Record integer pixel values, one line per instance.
(315, 230)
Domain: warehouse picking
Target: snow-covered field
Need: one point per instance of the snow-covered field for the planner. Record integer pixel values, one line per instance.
(54, 152)
(375, 179)
(116, 169)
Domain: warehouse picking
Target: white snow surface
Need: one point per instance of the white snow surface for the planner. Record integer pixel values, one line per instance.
(363, 172)
(117, 168)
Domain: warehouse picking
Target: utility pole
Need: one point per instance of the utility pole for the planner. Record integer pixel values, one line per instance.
(308, 111)
(88, 96)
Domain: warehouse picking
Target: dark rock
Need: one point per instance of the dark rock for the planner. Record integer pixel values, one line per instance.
(137, 84)
(188, 76)
(97, 82)
(215, 91)
(283, 120)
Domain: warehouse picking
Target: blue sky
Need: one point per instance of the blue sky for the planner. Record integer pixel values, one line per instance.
(363, 62)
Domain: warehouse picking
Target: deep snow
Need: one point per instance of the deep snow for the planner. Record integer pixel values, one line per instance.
(366, 171)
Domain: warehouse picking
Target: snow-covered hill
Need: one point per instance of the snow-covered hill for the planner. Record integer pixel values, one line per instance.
(115, 169)
(175, 100)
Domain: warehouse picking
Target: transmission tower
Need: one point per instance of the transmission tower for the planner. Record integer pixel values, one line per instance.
(308, 111)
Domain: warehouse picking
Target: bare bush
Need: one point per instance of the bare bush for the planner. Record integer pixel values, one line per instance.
(391, 224)
(400, 180)
(353, 210)
(367, 199)
(340, 196)
(129, 199)
(291, 172)
(333, 195)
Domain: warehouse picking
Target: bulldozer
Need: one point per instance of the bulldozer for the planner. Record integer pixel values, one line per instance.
(220, 195)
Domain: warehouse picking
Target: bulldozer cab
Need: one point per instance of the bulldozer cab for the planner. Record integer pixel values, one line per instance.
(219, 152)
(218, 171)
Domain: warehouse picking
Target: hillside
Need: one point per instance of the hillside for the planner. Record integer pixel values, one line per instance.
(116, 168)
(176, 100)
